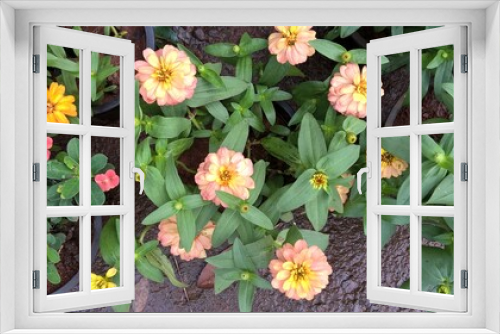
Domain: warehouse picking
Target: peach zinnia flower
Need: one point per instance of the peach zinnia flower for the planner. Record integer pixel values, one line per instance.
(108, 180)
(169, 236)
(347, 92)
(50, 142)
(59, 105)
(167, 76)
(300, 272)
(392, 166)
(225, 170)
(291, 44)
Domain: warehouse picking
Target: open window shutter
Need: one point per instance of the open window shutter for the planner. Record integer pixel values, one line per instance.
(437, 269)
(54, 52)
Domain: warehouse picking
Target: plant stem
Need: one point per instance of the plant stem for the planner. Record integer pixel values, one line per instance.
(143, 234)
(186, 168)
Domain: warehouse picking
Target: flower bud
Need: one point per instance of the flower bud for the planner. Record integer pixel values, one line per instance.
(351, 138)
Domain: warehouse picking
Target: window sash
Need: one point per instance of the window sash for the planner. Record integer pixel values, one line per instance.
(85, 298)
(413, 298)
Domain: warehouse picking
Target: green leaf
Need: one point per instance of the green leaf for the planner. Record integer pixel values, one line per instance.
(178, 110)
(186, 226)
(443, 195)
(317, 210)
(241, 257)
(282, 150)
(52, 274)
(257, 217)
(154, 186)
(70, 188)
(338, 142)
(63, 64)
(212, 77)
(230, 274)
(232, 201)
(396, 30)
(204, 214)
(179, 146)
(70, 162)
(437, 60)
(109, 243)
(218, 111)
(52, 255)
(311, 142)
(236, 139)
(165, 211)
(397, 146)
(259, 177)
(432, 175)
(206, 93)
(261, 251)
(226, 225)
(160, 261)
(437, 269)
(124, 308)
(293, 235)
(261, 283)
(146, 248)
(251, 45)
(224, 50)
(268, 108)
(274, 72)
(143, 153)
(220, 283)
(358, 56)
(97, 196)
(308, 107)
(346, 31)
(58, 171)
(245, 296)
(73, 149)
(58, 51)
(328, 49)
(299, 193)
(175, 186)
(195, 60)
(403, 197)
(315, 238)
(149, 271)
(98, 162)
(167, 127)
(430, 149)
(244, 68)
(354, 125)
(222, 260)
(191, 202)
(269, 207)
(338, 162)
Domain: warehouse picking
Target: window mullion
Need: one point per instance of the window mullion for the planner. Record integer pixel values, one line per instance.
(414, 172)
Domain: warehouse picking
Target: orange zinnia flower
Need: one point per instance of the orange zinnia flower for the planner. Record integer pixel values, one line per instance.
(58, 105)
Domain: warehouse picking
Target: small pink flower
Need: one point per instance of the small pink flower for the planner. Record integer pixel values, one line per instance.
(49, 146)
(291, 44)
(300, 272)
(225, 170)
(167, 76)
(108, 180)
(347, 92)
(169, 236)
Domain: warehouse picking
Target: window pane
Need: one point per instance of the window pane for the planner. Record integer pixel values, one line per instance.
(395, 256)
(105, 90)
(395, 171)
(437, 169)
(105, 252)
(437, 84)
(437, 255)
(105, 163)
(63, 93)
(63, 254)
(395, 109)
(63, 170)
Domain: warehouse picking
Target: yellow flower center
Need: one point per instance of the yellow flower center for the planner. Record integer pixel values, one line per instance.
(290, 36)
(164, 74)
(319, 180)
(299, 272)
(50, 108)
(225, 176)
(361, 89)
(387, 157)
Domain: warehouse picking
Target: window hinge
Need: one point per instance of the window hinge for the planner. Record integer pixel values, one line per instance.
(464, 172)
(36, 279)
(464, 279)
(36, 63)
(465, 64)
(36, 172)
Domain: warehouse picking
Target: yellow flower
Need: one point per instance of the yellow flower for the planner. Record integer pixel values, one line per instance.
(319, 181)
(99, 282)
(392, 166)
(58, 105)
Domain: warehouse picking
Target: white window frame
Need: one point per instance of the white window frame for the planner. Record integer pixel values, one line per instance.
(414, 44)
(86, 43)
(483, 20)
